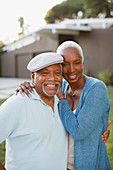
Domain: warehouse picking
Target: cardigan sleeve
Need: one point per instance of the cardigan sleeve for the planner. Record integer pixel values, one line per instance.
(95, 106)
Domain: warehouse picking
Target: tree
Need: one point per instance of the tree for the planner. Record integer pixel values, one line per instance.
(1, 45)
(96, 7)
(70, 9)
(66, 9)
(21, 21)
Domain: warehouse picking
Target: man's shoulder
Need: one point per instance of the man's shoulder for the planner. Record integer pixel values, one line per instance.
(14, 101)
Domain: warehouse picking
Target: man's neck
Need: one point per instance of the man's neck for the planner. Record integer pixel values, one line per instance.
(49, 100)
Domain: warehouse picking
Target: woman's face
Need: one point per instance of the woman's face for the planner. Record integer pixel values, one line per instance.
(72, 66)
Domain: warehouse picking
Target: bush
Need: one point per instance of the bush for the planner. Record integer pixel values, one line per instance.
(106, 77)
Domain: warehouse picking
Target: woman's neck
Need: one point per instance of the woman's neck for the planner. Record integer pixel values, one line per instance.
(79, 84)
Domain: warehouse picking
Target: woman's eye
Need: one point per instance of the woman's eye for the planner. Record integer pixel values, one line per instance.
(77, 63)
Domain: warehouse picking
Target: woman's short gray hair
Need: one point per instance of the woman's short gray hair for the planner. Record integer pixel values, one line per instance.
(68, 44)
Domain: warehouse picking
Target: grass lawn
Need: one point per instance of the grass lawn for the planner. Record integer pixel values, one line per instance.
(2, 146)
(109, 143)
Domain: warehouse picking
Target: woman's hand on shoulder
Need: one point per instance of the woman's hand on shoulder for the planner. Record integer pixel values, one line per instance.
(24, 87)
(60, 95)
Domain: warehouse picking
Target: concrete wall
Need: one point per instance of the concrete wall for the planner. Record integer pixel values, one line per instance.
(98, 50)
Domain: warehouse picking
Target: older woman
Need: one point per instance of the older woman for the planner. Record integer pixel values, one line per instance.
(84, 110)
(85, 113)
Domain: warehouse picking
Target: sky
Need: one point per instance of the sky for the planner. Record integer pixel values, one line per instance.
(33, 12)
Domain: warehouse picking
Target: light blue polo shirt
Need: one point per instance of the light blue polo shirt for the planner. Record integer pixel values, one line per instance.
(35, 137)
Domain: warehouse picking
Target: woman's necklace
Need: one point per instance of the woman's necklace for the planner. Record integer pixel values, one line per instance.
(73, 93)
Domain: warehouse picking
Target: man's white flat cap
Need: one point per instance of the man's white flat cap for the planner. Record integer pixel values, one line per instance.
(43, 60)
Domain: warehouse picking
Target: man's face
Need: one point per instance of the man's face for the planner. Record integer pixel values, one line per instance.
(48, 80)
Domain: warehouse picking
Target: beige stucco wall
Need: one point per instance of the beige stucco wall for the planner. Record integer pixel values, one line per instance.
(97, 46)
(98, 50)
(14, 63)
(8, 65)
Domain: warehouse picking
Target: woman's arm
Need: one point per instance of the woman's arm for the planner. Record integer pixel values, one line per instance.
(24, 87)
(105, 135)
(83, 123)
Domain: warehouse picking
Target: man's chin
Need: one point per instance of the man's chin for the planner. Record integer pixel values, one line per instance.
(50, 93)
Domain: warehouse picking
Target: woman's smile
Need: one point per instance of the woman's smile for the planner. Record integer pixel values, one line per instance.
(72, 77)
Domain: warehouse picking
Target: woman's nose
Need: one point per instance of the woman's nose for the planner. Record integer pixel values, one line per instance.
(71, 68)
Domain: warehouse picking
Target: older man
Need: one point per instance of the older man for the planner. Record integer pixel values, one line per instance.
(35, 137)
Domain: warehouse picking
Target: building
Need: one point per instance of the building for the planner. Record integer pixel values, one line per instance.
(94, 35)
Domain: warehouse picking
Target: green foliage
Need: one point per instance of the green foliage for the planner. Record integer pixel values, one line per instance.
(64, 10)
(70, 8)
(94, 8)
(21, 21)
(2, 153)
(2, 145)
(50, 17)
(105, 76)
(1, 46)
(2, 101)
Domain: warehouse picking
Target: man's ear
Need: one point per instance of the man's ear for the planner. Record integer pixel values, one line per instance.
(33, 77)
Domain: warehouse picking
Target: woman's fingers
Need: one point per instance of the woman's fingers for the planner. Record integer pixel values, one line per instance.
(60, 95)
(24, 88)
(109, 122)
(106, 135)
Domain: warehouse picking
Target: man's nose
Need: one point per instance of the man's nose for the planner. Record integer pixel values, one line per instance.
(51, 77)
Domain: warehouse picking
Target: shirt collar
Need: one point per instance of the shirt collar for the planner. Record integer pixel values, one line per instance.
(36, 96)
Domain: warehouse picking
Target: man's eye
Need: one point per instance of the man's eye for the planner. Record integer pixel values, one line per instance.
(57, 73)
(44, 73)
(64, 64)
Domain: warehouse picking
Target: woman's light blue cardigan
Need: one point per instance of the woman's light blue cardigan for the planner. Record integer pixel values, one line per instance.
(87, 125)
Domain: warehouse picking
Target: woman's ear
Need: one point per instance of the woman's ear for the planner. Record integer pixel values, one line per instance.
(83, 69)
(33, 77)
